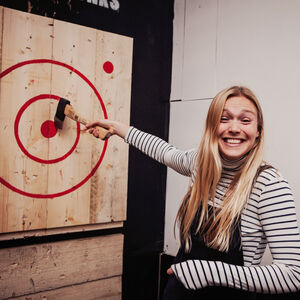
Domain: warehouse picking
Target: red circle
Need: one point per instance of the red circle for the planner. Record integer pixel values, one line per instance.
(17, 121)
(108, 67)
(54, 195)
(48, 129)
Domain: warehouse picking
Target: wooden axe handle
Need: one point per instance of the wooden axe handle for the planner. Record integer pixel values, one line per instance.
(72, 114)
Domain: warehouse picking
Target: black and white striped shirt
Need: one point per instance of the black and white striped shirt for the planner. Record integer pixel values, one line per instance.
(268, 218)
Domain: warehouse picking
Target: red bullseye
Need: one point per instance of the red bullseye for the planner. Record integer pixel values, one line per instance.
(94, 168)
(48, 129)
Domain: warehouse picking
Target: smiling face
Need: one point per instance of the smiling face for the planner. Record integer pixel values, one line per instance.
(238, 128)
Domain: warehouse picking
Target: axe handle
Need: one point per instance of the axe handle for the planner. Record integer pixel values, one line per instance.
(72, 114)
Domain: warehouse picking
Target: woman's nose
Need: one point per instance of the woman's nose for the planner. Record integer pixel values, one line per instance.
(234, 127)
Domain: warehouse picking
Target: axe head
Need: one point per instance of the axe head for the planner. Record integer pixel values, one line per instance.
(60, 113)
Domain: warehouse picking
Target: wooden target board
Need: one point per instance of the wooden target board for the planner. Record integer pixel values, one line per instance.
(66, 177)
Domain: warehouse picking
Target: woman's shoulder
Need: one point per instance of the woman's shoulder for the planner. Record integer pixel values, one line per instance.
(269, 175)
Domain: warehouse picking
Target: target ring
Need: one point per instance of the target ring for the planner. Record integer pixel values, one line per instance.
(16, 128)
(39, 97)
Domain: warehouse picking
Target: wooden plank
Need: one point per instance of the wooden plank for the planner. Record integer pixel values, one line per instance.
(25, 37)
(76, 46)
(1, 31)
(115, 88)
(31, 269)
(109, 288)
(60, 230)
(3, 192)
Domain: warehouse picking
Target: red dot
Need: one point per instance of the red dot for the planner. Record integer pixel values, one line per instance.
(48, 129)
(108, 67)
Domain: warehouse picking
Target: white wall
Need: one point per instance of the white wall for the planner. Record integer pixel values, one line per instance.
(219, 43)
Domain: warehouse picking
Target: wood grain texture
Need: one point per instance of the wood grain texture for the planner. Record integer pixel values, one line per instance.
(104, 289)
(22, 40)
(71, 44)
(60, 230)
(115, 89)
(79, 76)
(31, 269)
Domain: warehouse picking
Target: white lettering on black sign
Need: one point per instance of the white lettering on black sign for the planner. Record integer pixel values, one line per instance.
(112, 4)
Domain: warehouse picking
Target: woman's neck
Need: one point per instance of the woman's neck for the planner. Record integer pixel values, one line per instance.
(233, 165)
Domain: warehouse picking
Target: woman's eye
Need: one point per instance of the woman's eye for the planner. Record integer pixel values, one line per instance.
(223, 119)
(246, 120)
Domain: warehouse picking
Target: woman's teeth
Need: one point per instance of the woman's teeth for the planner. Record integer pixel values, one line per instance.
(233, 141)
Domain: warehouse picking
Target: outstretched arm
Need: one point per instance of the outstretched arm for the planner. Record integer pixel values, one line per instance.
(182, 162)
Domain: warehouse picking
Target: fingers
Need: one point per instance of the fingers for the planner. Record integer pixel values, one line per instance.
(105, 123)
(92, 124)
(91, 128)
(113, 127)
(170, 271)
(94, 131)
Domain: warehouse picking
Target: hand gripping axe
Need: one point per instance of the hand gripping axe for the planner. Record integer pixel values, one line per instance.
(64, 108)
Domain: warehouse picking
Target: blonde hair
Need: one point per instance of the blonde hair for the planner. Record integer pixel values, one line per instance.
(217, 228)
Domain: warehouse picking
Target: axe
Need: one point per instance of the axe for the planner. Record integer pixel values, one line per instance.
(64, 108)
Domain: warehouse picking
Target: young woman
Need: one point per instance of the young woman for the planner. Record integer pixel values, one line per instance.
(235, 205)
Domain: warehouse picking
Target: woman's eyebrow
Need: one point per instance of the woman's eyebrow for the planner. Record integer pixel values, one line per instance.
(249, 111)
(242, 112)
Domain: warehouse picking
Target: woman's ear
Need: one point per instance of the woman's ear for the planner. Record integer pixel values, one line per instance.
(258, 131)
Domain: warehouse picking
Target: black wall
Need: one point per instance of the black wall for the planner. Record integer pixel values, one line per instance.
(150, 23)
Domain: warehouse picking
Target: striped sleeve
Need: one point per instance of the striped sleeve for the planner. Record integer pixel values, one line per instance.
(158, 149)
(278, 221)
